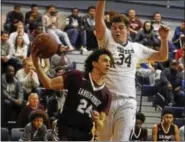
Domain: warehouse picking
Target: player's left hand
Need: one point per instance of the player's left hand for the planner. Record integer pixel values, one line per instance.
(95, 116)
(164, 32)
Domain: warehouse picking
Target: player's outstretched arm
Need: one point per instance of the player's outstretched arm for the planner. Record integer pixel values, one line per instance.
(162, 54)
(100, 24)
(55, 83)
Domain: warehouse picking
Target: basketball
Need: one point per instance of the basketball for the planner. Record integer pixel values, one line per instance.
(46, 45)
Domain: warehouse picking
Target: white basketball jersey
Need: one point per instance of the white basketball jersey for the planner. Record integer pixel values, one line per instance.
(120, 80)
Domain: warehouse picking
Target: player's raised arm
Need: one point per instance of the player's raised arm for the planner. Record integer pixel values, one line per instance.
(55, 83)
(100, 24)
(162, 54)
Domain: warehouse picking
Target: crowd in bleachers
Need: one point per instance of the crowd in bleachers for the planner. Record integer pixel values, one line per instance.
(22, 92)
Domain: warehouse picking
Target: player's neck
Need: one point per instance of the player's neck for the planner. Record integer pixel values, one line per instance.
(97, 78)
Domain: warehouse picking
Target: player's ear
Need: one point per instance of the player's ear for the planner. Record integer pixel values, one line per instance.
(94, 63)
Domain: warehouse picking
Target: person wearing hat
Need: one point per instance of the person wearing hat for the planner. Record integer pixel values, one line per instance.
(171, 81)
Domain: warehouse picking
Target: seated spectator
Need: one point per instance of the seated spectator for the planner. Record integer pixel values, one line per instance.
(135, 25)
(146, 36)
(140, 133)
(148, 71)
(28, 77)
(59, 61)
(32, 18)
(165, 130)
(20, 49)
(35, 130)
(13, 18)
(33, 104)
(51, 24)
(179, 36)
(88, 22)
(5, 50)
(171, 80)
(182, 58)
(180, 51)
(74, 30)
(182, 133)
(12, 93)
(19, 31)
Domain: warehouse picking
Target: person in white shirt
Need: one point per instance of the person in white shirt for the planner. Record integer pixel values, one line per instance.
(20, 31)
(121, 79)
(27, 76)
(182, 133)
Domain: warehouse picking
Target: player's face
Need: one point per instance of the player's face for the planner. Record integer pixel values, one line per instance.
(103, 64)
(168, 119)
(38, 122)
(119, 32)
(138, 123)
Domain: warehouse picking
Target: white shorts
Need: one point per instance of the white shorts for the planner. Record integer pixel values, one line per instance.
(120, 121)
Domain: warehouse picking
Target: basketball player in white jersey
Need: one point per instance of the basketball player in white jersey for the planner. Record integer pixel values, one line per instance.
(121, 79)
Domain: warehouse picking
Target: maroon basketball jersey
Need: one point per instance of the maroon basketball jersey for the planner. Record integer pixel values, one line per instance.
(83, 97)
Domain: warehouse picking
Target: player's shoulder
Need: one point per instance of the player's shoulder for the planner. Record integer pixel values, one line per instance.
(75, 73)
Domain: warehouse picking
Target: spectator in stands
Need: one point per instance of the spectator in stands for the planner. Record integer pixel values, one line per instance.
(74, 29)
(179, 35)
(165, 130)
(51, 24)
(35, 130)
(139, 133)
(180, 51)
(59, 61)
(20, 48)
(171, 80)
(33, 104)
(135, 25)
(182, 133)
(32, 18)
(28, 77)
(146, 36)
(12, 93)
(5, 50)
(20, 31)
(88, 22)
(13, 18)
(182, 58)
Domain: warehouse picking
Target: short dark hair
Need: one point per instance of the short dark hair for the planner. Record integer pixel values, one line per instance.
(167, 111)
(91, 7)
(50, 6)
(74, 9)
(120, 18)
(17, 6)
(94, 57)
(4, 32)
(9, 66)
(38, 114)
(140, 116)
(34, 5)
(156, 13)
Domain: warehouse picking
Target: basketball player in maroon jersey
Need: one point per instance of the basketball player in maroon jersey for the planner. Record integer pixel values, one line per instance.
(166, 130)
(88, 100)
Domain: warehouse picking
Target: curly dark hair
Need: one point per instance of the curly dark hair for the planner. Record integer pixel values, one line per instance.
(120, 18)
(140, 116)
(38, 113)
(94, 57)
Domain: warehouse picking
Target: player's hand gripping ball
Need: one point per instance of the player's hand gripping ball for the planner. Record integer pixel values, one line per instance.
(45, 44)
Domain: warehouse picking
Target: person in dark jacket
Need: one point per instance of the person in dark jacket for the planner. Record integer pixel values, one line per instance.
(35, 130)
(171, 80)
(13, 19)
(74, 30)
(32, 18)
(12, 93)
(33, 104)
